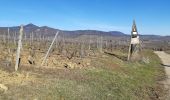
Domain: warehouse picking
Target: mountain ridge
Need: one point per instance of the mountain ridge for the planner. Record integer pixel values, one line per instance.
(45, 30)
(49, 31)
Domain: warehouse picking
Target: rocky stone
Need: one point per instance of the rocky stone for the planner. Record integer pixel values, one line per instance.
(5, 88)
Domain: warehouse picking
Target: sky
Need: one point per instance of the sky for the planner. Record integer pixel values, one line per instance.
(151, 16)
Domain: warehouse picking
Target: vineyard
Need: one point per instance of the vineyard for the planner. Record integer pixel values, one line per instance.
(84, 67)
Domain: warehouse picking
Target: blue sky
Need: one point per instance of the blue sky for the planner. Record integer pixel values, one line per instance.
(152, 16)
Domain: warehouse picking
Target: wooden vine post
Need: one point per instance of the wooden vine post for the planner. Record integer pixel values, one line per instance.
(44, 60)
(19, 49)
(8, 37)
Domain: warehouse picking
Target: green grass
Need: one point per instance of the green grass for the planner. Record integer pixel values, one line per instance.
(109, 78)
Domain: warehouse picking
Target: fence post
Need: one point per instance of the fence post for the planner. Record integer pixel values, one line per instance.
(49, 49)
(19, 49)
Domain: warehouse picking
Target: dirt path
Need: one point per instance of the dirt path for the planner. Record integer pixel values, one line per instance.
(166, 62)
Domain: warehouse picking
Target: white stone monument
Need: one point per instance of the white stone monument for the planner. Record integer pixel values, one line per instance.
(134, 48)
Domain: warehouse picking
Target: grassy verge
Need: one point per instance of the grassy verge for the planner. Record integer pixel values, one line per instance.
(108, 78)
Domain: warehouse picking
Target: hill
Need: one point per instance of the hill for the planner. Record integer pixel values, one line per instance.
(48, 31)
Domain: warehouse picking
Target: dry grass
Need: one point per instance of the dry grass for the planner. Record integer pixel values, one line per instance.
(106, 78)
